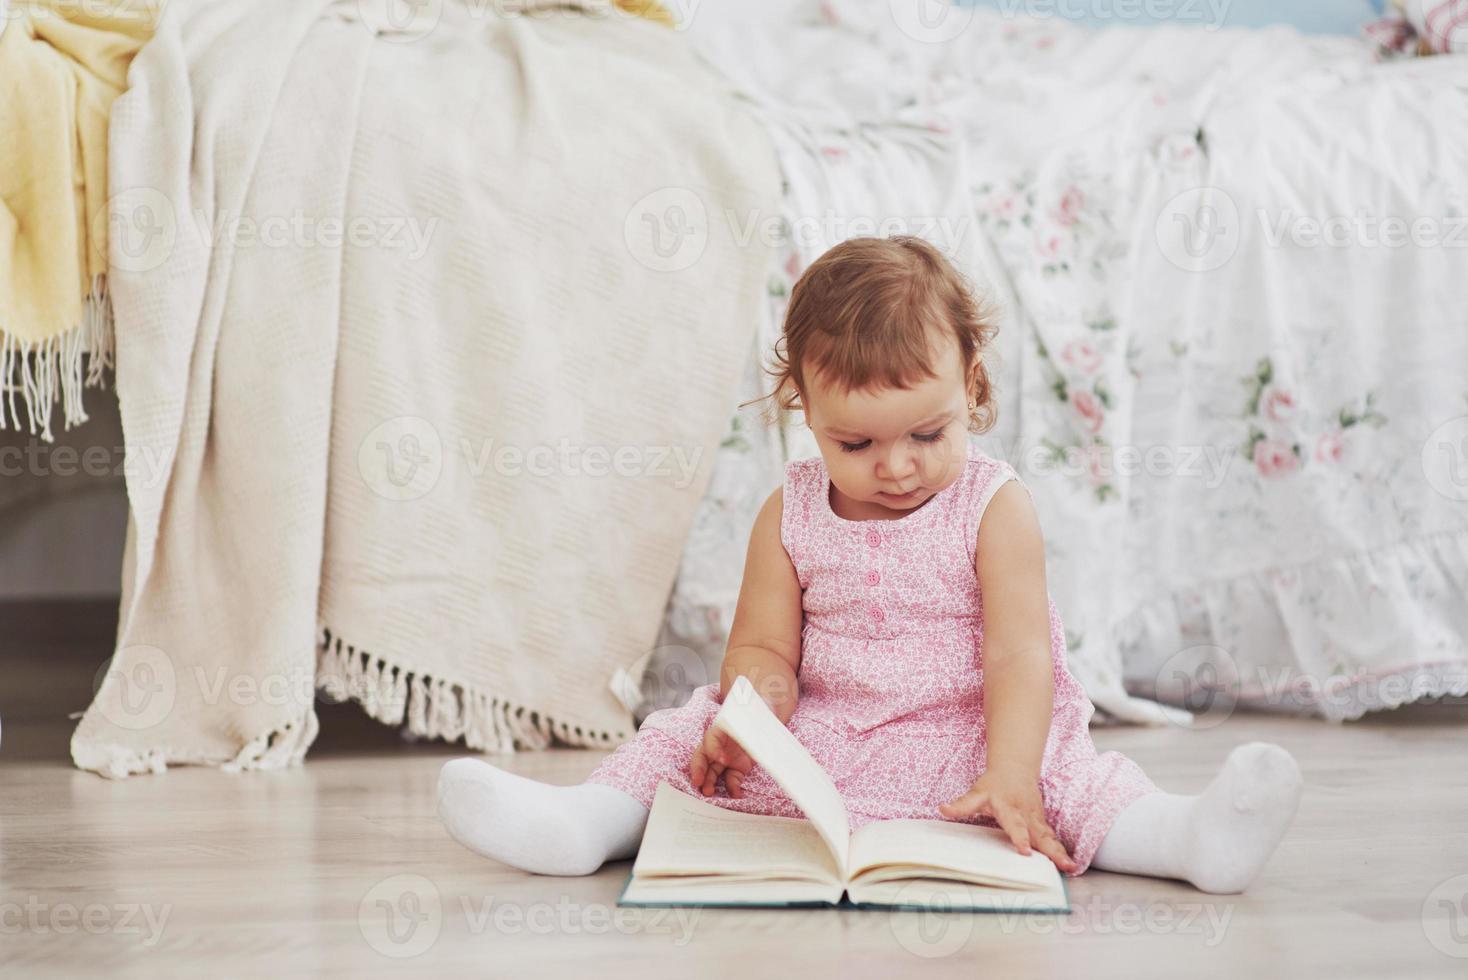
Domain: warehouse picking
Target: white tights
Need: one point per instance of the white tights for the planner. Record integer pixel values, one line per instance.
(1218, 839)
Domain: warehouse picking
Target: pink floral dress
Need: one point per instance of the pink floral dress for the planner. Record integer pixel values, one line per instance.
(891, 675)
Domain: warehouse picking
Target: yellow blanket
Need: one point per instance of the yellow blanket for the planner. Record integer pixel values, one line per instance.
(62, 62)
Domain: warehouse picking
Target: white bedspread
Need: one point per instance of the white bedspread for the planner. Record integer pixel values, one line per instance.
(1242, 409)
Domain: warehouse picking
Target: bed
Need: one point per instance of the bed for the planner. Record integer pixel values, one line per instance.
(1233, 355)
(1239, 426)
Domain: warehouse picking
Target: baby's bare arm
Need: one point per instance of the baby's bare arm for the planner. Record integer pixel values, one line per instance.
(1018, 676)
(764, 641)
(1018, 673)
(764, 646)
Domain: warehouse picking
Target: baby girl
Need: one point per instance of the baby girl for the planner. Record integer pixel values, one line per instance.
(894, 614)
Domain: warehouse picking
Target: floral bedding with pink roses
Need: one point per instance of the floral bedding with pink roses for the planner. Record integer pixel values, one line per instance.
(1233, 363)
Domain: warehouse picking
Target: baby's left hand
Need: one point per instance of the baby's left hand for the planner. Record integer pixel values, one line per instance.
(1013, 800)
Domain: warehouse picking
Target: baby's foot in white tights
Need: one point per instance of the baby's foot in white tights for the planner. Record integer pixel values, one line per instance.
(1219, 839)
(1239, 819)
(535, 826)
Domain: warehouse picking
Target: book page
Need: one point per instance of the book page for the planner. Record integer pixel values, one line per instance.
(985, 855)
(767, 893)
(689, 837)
(746, 716)
(943, 896)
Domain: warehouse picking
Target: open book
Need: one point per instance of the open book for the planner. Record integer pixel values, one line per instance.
(696, 853)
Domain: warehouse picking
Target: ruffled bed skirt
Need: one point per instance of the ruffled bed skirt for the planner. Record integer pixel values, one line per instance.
(1334, 638)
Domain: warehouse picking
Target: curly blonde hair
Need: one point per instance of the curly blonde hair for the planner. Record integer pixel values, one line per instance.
(861, 317)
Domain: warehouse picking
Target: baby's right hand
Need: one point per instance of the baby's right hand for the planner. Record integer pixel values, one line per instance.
(719, 755)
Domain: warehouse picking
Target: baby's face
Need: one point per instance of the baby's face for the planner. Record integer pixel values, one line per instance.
(890, 450)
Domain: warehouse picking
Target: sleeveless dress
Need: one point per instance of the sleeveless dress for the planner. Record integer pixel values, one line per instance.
(891, 675)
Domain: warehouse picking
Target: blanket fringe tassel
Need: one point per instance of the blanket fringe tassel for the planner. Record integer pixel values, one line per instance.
(284, 747)
(433, 707)
(278, 749)
(47, 370)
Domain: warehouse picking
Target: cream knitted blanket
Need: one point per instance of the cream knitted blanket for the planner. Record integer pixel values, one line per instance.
(422, 368)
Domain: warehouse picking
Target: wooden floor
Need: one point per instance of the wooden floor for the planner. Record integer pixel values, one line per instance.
(339, 868)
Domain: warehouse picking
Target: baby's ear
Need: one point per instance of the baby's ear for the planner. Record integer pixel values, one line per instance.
(974, 371)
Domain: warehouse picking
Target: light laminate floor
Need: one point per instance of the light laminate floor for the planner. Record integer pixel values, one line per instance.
(339, 868)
